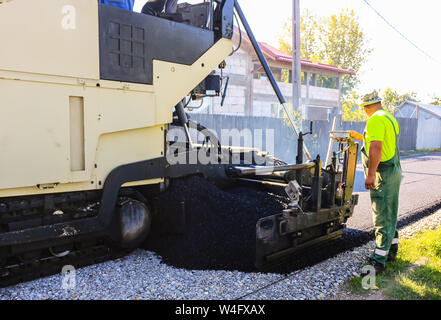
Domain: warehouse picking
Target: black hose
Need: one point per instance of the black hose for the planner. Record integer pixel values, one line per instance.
(200, 128)
(214, 140)
(240, 35)
(182, 116)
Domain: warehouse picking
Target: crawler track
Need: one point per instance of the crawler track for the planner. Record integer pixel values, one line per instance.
(50, 265)
(19, 263)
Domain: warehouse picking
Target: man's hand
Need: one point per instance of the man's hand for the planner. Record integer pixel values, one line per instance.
(370, 183)
(375, 152)
(355, 135)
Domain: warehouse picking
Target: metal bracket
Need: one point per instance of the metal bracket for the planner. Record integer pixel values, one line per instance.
(293, 190)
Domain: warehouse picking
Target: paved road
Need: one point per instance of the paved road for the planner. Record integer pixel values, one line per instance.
(420, 188)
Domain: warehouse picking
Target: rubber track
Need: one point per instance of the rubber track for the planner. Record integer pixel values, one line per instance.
(53, 265)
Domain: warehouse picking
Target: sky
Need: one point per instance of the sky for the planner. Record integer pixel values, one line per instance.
(394, 63)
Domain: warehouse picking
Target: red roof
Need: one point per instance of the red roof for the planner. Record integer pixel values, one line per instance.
(280, 56)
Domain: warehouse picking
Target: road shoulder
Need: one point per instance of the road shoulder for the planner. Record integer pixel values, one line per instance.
(416, 273)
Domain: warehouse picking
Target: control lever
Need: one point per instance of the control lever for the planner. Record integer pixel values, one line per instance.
(311, 129)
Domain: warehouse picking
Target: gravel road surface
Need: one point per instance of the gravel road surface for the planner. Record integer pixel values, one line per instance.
(148, 275)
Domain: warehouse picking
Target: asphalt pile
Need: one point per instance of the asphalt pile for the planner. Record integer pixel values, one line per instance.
(219, 228)
(220, 224)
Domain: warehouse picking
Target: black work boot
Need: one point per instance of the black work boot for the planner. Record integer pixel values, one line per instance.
(391, 259)
(379, 268)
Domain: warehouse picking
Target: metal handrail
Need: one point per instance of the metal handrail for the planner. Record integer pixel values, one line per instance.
(243, 171)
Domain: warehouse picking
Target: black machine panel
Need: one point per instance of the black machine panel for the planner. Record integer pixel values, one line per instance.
(129, 42)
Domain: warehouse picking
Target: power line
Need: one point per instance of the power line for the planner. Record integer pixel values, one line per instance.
(400, 33)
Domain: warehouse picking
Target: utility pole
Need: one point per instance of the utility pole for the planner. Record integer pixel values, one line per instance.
(296, 65)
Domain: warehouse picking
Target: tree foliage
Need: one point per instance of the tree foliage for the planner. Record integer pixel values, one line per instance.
(436, 101)
(309, 28)
(391, 100)
(351, 108)
(336, 40)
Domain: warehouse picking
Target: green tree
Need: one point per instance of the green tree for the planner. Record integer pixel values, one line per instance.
(309, 28)
(337, 40)
(351, 108)
(345, 46)
(436, 101)
(392, 99)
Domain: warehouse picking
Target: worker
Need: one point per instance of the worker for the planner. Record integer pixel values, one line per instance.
(123, 4)
(382, 169)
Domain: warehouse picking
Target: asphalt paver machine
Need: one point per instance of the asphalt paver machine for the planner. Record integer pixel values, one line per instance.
(88, 93)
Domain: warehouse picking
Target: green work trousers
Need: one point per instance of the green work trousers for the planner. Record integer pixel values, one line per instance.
(385, 212)
(384, 200)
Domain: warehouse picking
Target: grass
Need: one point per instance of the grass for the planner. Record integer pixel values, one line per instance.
(415, 275)
(416, 152)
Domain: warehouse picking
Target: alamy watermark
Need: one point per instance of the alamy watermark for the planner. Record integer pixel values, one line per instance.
(69, 278)
(69, 17)
(368, 282)
(246, 144)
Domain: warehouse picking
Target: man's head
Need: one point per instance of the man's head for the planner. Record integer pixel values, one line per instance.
(371, 103)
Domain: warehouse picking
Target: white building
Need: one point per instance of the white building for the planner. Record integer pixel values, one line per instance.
(251, 94)
(429, 123)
